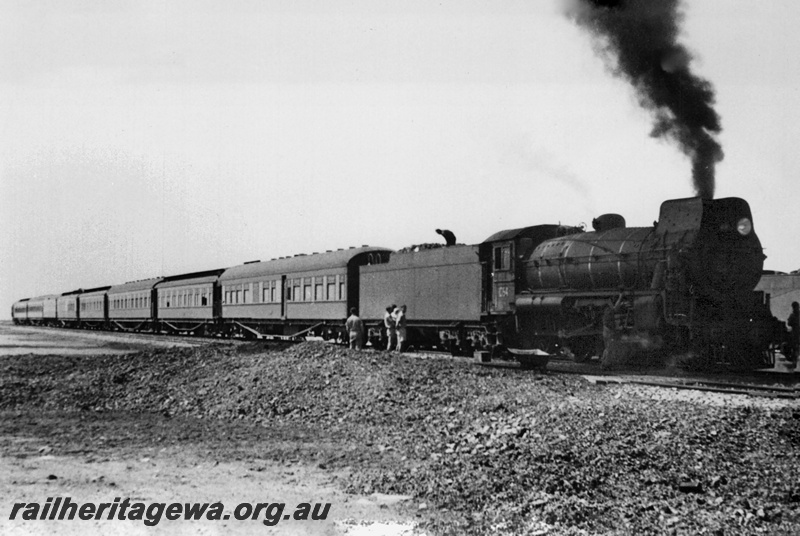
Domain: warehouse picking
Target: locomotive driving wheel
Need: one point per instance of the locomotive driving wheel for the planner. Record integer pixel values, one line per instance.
(580, 350)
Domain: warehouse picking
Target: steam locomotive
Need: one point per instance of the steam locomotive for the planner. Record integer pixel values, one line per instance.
(684, 285)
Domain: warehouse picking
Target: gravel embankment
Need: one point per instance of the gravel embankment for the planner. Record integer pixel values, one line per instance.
(483, 451)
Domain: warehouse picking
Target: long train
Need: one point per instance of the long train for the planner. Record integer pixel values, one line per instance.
(685, 284)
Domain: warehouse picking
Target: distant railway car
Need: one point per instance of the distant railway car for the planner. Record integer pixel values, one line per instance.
(131, 306)
(783, 289)
(292, 295)
(42, 310)
(68, 310)
(35, 308)
(50, 310)
(19, 312)
(189, 303)
(93, 308)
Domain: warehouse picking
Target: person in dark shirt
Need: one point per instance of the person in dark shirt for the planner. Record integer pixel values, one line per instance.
(449, 237)
(794, 333)
(610, 333)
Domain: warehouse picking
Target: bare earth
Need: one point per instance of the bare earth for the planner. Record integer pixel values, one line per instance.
(397, 445)
(172, 475)
(155, 469)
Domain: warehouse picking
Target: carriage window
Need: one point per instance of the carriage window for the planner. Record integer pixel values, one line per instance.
(331, 291)
(307, 293)
(318, 295)
(296, 293)
(245, 295)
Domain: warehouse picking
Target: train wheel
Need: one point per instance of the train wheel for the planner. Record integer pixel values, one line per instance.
(536, 362)
(580, 351)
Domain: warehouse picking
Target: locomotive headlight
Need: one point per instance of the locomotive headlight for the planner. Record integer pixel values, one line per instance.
(744, 226)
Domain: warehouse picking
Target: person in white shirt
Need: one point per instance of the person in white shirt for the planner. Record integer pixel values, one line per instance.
(400, 323)
(355, 328)
(389, 324)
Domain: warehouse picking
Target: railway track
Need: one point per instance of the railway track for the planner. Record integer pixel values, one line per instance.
(781, 384)
(766, 391)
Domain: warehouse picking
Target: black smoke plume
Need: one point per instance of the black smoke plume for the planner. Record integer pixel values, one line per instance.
(638, 39)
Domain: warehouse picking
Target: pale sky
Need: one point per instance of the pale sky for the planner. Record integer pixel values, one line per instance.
(147, 138)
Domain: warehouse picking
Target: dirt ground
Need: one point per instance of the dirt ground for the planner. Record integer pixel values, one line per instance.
(18, 340)
(179, 460)
(156, 459)
(397, 445)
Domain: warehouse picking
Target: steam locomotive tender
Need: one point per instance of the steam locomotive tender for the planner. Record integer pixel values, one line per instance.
(683, 285)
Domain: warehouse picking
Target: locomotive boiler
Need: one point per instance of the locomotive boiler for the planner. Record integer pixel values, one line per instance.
(685, 284)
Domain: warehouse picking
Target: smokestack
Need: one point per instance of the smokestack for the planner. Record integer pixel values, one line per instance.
(638, 40)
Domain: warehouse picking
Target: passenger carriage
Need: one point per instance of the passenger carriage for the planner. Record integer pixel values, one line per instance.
(131, 306)
(67, 309)
(93, 308)
(304, 294)
(19, 312)
(189, 303)
(41, 310)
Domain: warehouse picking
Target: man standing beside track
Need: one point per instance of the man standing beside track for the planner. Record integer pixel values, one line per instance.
(355, 329)
(794, 335)
(610, 334)
(400, 321)
(389, 324)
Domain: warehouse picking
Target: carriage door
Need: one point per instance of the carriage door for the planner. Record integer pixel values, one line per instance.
(284, 292)
(503, 276)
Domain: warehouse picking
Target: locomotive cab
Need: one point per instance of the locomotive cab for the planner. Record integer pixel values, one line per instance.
(503, 257)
